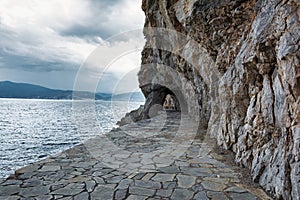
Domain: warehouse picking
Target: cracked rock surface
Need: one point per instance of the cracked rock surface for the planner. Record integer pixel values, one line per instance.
(240, 62)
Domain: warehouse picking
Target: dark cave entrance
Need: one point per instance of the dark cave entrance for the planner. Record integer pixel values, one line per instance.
(162, 98)
(169, 103)
(168, 100)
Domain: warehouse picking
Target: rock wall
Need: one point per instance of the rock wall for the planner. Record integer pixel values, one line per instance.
(235, 66)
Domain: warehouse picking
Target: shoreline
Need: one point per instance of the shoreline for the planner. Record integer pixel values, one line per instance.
(38, 160)
(96, 170)
(70, 100)
(45, 128)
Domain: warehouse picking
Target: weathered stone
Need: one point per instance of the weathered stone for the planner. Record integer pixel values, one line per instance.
(201, 195)
(181, 164)
(34, 191)
(147, 184)
(115, 179)
(76, 173)
(44, 197)
(169, 185)
(81, 196)
(218, 195)
(76, 185)
(136, 197)
(246, 196)
(10, 197)
(49, 168)
(59, 196)
(66, 198)
(204, 172)
(107, 176)
(230, 175)
(99, 180)
(236, 190)
(32, 183)
(133, 116)
(90, 185)
(148, 176)
(169, 170)
(82, 164)
(164, 192)
(182, 194)
(138, 176)
(28, 175)
(213, 186)
(218, 180)
(185, 181)
(29, 168)
(67, 191)
(141, 191)
(120, 194)
(102, 192)
(118, 173)
(163, 177)
(9, 190)
(197, 187)
(54, 177)
(125, 183)
(57, 186)
(11, 182)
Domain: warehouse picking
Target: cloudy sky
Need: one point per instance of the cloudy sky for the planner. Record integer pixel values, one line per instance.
(50, 43)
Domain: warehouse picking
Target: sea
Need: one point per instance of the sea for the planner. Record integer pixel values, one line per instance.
(31, 130)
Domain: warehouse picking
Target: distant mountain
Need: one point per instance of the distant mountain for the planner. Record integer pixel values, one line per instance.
(134, 96)
(28, 91)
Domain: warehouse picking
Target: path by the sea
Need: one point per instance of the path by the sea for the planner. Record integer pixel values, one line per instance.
(151, 159)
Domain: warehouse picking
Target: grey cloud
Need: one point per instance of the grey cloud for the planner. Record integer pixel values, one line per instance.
(94, 26)
(33, 51)
(22, 51)
(100, 24)
(26, 63)
(88, 31)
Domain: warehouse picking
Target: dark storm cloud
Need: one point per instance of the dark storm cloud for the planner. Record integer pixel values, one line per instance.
(88, 31)
(104, 21)
(26, 63)
(40, 37)
(31, 50)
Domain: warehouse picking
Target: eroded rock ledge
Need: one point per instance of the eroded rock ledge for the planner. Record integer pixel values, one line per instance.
(239, 71)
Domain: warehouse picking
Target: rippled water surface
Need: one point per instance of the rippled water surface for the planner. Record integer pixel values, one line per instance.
(33, 129)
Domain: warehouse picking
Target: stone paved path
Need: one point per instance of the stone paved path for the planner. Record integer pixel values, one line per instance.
(151, 159)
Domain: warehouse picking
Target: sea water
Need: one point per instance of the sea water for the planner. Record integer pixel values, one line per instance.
(31, 130)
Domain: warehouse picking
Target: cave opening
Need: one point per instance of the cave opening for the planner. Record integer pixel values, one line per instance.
(162, 98)
(169, 100)
(169, 103)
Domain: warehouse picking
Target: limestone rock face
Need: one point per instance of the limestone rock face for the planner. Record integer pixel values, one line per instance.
(238, 69)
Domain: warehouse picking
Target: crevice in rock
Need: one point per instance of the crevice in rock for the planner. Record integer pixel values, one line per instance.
(272, 75)
(253, 107)
(289, 159)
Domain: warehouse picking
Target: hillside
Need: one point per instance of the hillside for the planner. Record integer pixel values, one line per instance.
(29, 91)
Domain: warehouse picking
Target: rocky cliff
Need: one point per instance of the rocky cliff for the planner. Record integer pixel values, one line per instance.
(234, 65)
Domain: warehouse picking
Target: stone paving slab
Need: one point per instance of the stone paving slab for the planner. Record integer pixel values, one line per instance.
(136, 161)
